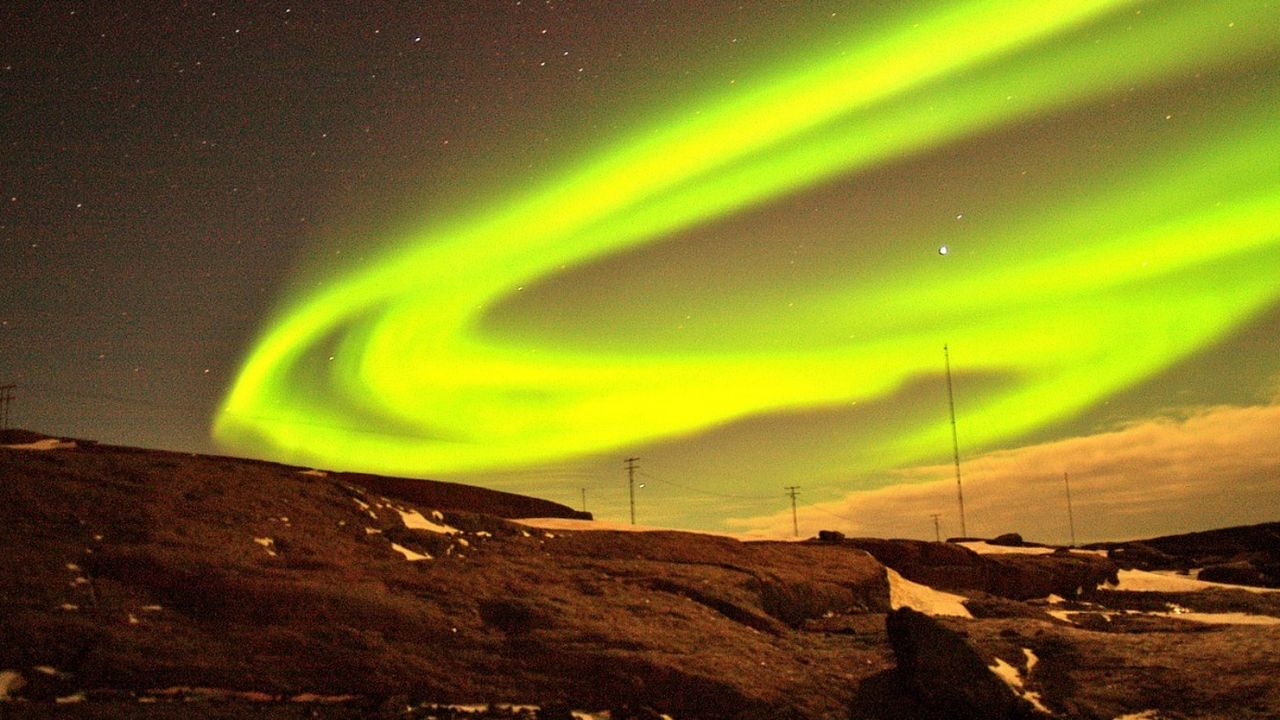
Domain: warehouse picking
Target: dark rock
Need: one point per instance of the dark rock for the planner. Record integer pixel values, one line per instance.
(947, 673)
(1236, 573)
(831, 536)
(1007, 539)
(1014, 576)
(555, 711)
(1141, 556)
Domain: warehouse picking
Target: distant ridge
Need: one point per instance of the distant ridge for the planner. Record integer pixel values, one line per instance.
(434, 493)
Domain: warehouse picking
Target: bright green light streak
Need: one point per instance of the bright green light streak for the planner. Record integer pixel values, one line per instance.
(416, 388)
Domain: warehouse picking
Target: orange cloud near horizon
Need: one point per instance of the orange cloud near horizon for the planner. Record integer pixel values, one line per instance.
(1194, 470)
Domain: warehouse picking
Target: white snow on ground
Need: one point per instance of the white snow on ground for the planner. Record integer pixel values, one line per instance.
(314, 473)
(69, 699)
(904, 593)
(983, 548)
(1031, 660)
(414, 521)
(604, 525)
(408, 554)
(10, 680)
(1011, 677)
(267, 543)
(577, 714)
(1146, 581)
(1227, 618)
(1144, 715)
(45, 444)
(1065, 615)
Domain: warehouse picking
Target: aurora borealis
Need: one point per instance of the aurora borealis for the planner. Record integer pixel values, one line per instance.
(710, 272)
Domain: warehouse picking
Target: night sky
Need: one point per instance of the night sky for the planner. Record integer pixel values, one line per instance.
(515, 243)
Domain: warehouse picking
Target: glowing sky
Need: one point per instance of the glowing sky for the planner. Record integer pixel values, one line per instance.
(725, 258)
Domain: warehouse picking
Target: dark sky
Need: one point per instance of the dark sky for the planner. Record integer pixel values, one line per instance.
(180, 180)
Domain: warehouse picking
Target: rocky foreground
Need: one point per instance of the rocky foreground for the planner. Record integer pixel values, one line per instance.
(153, 584)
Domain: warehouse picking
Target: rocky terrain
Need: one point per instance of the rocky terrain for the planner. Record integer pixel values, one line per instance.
(154, 584)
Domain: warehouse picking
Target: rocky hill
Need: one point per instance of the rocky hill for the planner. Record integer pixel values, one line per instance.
(153, 584)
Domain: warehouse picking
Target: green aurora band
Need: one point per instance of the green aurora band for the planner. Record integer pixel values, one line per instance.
(1157, 255)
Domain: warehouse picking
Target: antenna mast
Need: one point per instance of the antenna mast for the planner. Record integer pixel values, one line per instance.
(1071, 518)
(955, 442)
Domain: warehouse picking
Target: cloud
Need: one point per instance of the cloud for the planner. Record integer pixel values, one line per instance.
(1197, 469)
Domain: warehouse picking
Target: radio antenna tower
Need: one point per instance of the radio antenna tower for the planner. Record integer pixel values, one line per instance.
(955, 442)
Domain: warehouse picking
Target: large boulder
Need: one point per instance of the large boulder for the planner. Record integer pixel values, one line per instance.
(1237, 573)
(947, 673)
(949, 566)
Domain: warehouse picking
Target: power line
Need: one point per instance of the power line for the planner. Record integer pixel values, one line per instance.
(631, 485)
(1071, 518)
(702, 491)
(955, 442)
(6, 399)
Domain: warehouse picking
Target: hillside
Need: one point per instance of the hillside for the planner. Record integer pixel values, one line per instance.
(154, 584)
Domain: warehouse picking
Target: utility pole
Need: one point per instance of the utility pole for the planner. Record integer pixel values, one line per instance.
(955, 442)
(584, 499)
(1071, 517)
(6, 399)
(631, 485)
(792, 490)
(937, 529)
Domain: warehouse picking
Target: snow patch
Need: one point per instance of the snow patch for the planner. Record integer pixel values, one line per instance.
(70, 699)
(267, 543)
(10, 680)
(1144, 715)
(1011, 677)
(904, 593)
(322, 699)
(414, 521)
(983, 548)
(1147, 581)
(372, 531)
(1031, 660)
(314, 473)
(1225, 618)
(45, 444)
(408, 554)
(604, 525)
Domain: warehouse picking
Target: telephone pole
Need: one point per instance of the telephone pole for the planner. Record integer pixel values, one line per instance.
(584, 499)
(955, 442)
(1071, 518)
(937, 530)
(631, 485)
(792, 490)
(6, 399)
